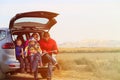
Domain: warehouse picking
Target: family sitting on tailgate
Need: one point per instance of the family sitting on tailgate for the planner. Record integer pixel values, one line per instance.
(36, 52)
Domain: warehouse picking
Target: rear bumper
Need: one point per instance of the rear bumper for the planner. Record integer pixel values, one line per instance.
(12, 65)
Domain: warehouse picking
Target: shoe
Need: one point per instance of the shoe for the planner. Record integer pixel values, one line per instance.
(36, 79)
(48, 78)
(31, 73)
(22, 70)
(28, 70)
(58, 67)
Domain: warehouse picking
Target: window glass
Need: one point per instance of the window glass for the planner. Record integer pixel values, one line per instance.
(2, 34)
(14, 37)
(24, 37)
(37, 20)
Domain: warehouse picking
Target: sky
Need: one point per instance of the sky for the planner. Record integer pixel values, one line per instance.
(77, 19)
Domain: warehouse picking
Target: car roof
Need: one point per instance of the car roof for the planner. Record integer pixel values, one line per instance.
(2, 28)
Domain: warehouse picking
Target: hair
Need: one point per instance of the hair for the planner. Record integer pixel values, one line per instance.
(34, 34)
(18, 40)
(46, 33)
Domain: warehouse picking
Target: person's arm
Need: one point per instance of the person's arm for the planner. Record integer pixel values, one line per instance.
(26, 43)
(41, 46)
(26, 51)
(54, 51)
(55, 48)
(38, 48)
(22, 53)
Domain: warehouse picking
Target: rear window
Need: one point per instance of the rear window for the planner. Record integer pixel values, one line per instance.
(36, 20)
(2, 34)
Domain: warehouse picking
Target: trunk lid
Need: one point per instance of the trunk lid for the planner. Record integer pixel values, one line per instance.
(37, 20)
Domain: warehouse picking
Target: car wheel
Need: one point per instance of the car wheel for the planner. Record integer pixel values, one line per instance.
(2, 75)
(13, 73)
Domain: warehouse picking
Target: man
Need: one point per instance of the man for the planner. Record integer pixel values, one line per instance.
(48, 46)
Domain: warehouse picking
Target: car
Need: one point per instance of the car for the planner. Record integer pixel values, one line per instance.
(22, 25)
(8, 60)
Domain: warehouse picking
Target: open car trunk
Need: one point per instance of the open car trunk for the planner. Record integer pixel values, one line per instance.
(32, 21)
(25, 24)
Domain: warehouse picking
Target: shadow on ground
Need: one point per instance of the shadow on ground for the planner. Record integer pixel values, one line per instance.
(9, 77)
(18, 78)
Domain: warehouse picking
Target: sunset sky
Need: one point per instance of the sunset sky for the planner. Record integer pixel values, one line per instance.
(78, 19)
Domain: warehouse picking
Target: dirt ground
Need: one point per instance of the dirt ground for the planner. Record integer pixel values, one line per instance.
(58, 75)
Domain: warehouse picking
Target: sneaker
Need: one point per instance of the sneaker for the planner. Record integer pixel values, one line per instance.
(28, 70)
(58, 67)
(22, 70)
(36, 79)
(48, 78)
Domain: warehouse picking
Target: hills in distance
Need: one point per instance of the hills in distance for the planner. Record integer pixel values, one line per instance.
(91, 43)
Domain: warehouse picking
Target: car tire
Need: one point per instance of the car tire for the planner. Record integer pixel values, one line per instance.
(13, 73)
(2, 75)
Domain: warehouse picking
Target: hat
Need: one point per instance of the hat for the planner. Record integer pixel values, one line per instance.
(32, 39)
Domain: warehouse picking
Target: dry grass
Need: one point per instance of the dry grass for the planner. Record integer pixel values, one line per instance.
(90, 66)
(88, 50)
(86, 66)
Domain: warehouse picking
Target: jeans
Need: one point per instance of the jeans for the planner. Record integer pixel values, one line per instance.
(34, 60)
(27, 63)
(21, 60)
(46, 58)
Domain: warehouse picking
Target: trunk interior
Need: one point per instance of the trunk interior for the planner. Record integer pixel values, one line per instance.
(24, 36)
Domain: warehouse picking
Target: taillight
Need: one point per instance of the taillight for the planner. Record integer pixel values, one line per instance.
(8, 46)
(11, 65)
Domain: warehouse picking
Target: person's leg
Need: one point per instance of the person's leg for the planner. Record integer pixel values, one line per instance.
(36, 72)
(21, 63)
(50, 59)
(47, 60)
(18, 58)
(27, 64)
(35, 66)
(39, 59)
(54, 62)
(49, 72)
(36, 75)
(32, 61)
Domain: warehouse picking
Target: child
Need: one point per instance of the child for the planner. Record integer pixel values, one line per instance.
(20, 54)
(34, 55)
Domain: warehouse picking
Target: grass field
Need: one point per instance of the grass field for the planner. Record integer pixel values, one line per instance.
(89, 66)
(84, 64)
(90, 50)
